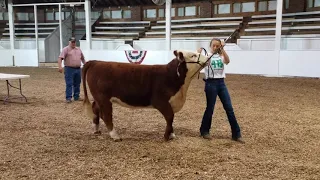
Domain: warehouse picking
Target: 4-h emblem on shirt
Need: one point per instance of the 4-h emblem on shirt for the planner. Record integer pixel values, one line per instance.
(136, 57)
(217, 64)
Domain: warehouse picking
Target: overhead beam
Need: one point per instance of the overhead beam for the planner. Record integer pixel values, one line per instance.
(134, 2)
(139, 2)
(95, 4)
(115, 2)
(123, 3)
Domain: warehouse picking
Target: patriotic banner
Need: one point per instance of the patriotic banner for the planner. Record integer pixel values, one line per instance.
(135, 57)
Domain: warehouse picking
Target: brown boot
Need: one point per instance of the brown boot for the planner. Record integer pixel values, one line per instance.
(207, 136)
(240, 140)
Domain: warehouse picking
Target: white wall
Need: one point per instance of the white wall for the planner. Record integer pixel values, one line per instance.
(26, 44)
(299, 63)
(102, 44)
(22, 57)
(6, 57)
(175, 44)
(253, 62)
(244, 44)
(26, 57)
(291, 63)
(286, 44)
(242, 62)
(152, 45)
(152, 57)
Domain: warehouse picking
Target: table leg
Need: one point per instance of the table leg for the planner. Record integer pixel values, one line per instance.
(6, 99)
(21, 91)
(8, 92)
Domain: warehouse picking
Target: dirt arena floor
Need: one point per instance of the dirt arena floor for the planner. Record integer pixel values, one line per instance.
(49, 139)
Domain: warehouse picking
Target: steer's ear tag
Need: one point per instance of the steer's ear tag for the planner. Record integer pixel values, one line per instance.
(180, 58)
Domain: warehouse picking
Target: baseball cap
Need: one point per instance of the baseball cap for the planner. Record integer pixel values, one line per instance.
(72, 39)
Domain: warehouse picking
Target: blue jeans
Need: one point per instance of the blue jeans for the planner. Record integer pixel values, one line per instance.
(72, 78)
(214, 88)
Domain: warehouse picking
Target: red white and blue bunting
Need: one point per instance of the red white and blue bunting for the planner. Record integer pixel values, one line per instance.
(136, 57)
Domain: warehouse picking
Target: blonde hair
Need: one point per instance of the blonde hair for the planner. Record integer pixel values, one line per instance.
(215, 39)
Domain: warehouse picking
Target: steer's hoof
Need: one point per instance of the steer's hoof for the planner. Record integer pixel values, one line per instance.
(169, 137)
(97, 133)
(172, 136)
(117, 140)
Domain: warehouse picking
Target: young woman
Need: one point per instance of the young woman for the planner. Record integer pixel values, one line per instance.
(215, 86)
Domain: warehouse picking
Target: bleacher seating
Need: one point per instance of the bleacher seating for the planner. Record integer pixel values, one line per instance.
(300, 25)
(2, 27)
(120, 30)
(27, 30)
(202, 28)
(305, 24)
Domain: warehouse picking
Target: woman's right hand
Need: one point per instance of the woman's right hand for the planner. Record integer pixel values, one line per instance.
(199, 50)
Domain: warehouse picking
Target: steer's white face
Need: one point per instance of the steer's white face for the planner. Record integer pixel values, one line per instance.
(194, 61)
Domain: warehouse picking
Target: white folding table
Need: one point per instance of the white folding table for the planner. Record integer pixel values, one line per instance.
(8, 77)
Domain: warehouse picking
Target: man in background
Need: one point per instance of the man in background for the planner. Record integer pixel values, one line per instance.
(72, 57)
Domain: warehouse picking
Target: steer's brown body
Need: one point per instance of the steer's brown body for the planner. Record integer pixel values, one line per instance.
(162, 87)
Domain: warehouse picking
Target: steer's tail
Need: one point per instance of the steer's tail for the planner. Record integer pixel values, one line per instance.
(86, 102)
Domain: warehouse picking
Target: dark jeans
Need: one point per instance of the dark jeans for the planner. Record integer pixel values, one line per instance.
(73, 79)
(212, 89)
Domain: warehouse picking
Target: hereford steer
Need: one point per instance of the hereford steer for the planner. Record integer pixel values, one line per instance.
(163, 87)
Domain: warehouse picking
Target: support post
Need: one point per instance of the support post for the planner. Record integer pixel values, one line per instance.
(168, 25)
(36, 32)
(87, 7)
(60, 28)
(11, 29)
(278, 25)
(278, 31)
